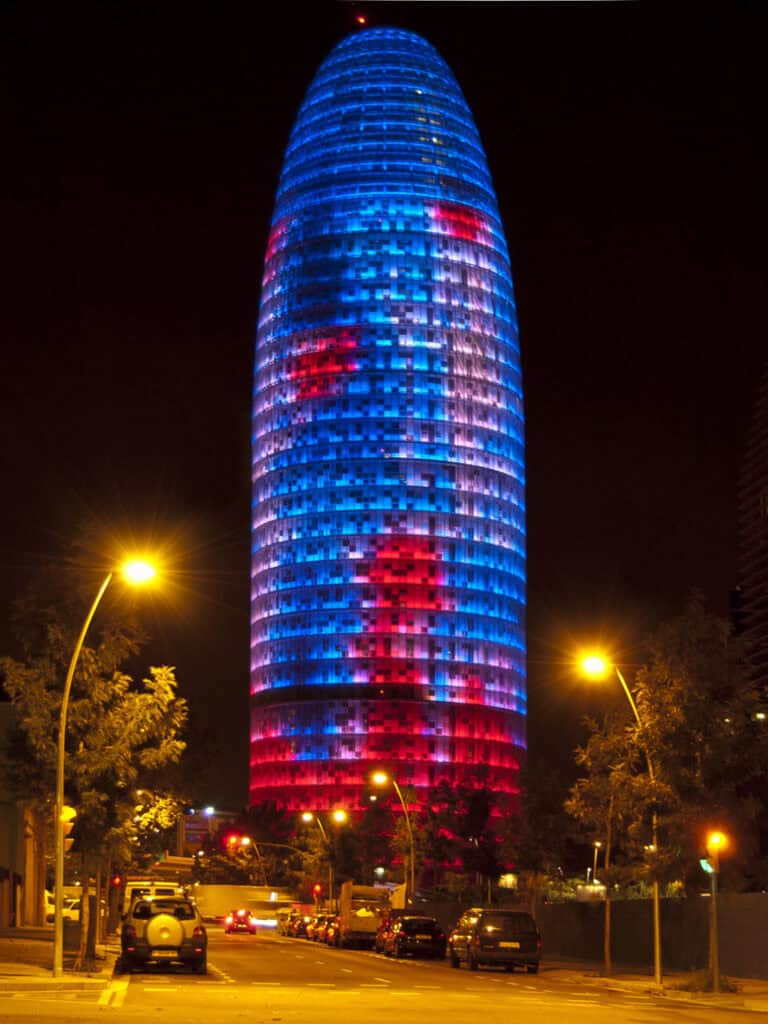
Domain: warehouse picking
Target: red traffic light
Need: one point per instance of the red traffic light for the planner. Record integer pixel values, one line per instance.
(317, 888)
(117, 880)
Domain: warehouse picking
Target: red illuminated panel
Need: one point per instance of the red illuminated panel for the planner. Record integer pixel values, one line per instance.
(406, 572)
(459, 221)
(277, 237)
(317, 370)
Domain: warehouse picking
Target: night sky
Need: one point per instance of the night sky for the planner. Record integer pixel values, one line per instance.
(142, 146)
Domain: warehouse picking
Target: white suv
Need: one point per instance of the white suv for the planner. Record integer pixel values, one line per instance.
(165, 929)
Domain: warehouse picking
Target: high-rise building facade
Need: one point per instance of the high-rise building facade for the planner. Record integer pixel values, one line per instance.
(388, 526)
(753, 523)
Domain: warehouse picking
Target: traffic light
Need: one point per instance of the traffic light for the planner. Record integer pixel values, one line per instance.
(67, 820)
(117, 880)
(317, 890)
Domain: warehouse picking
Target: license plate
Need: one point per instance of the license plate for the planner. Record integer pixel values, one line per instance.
(423, 937)
(163, 954)
(509, 945)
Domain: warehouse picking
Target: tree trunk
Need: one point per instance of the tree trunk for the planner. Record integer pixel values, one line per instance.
(85, 920)
(607, 966)
(90, 949)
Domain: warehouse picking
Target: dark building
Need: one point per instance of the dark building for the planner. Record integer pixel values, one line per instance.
(753, 520)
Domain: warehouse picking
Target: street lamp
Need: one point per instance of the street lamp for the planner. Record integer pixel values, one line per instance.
(135, 572)
(339, 817)
(595, 666)
(597, 844)
(716, 841)
(382, 779)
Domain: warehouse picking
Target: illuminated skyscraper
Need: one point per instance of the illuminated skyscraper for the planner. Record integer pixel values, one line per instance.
(388, 531)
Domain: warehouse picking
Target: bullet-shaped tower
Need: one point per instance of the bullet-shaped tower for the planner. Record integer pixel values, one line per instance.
(388, 524)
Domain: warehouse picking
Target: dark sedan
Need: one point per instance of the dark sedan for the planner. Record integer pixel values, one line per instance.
(412, 935)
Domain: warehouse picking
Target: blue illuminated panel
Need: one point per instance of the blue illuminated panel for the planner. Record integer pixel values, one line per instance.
(388, 529)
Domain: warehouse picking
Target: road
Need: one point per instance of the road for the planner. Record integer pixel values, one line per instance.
(267, 979)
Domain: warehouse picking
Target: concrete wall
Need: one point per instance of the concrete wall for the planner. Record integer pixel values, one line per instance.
(575, 930)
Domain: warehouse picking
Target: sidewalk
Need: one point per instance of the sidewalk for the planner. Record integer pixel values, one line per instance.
(26, 959)
(751, 993)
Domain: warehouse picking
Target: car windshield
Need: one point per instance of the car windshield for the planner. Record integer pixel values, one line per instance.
(508, 924)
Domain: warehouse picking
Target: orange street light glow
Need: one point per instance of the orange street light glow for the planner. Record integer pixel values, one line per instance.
(716, 841)
(595, 666)
(379, 778)
(138, 571)
(339, 816)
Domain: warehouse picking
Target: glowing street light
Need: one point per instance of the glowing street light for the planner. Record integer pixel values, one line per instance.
(597, 845)
(383, 779)
(135, 572)
(595, 665)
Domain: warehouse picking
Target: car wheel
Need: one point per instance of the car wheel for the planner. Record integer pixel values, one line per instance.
(533, 968)
(119, 967)
(472, 963)
(201, 967)
(454, 959)
(509, 968)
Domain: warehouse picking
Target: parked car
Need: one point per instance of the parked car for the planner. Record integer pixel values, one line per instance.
(297, 928)
(164, 930)
(240, 920)
(411, 934)
(509, 938)
(331, 937)
(316, 926)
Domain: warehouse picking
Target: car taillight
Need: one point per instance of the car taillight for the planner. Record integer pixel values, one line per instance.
(129, 937)
(229, 919)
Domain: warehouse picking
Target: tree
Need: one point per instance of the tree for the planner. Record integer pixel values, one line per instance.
(697, 707)
(540, 841)
(609, 801)
(120, 735)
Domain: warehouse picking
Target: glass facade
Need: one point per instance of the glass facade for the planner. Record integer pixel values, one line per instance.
(388, 521)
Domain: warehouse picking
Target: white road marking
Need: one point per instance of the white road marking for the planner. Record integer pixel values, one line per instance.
(346, 970)
(321, 984)
(114, 994)
(274, 984)
(428, 986)
(387, 981)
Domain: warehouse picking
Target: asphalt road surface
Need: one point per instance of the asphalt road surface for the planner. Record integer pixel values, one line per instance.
(267, 979)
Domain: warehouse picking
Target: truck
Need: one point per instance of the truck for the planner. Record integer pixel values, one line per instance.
(361, 909)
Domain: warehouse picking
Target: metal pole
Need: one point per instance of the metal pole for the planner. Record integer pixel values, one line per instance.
(657, 968)
(410, 842)
(714, 944)
(58, 895)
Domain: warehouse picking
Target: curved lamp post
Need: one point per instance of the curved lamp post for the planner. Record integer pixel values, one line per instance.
(137, 573)
(339, 817)
(597, 667)
(383, 779)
